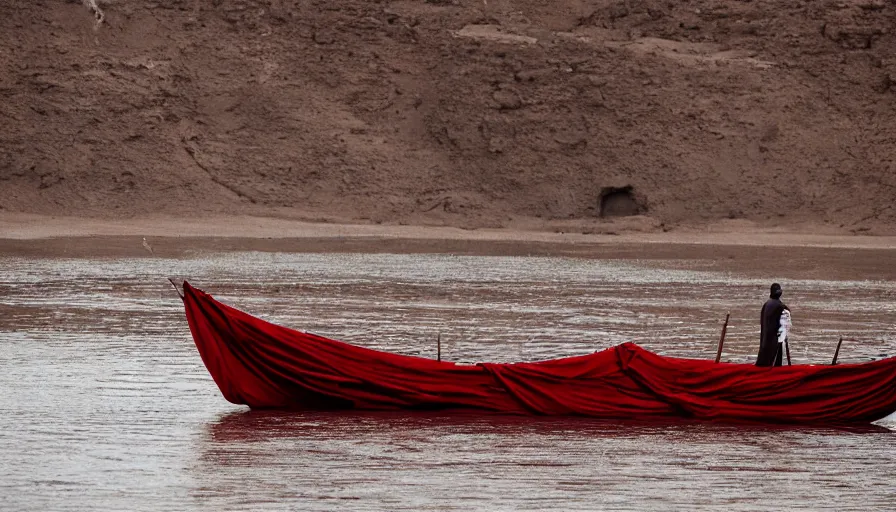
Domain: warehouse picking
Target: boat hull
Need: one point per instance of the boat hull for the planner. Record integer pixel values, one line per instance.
(263, 365)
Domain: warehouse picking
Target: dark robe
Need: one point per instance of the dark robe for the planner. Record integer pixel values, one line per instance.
(770, 351)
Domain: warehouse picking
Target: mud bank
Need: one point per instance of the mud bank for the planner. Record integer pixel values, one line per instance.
(464, 113)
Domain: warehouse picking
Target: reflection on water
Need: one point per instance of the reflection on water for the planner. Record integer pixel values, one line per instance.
(448, 462)
(106, 404)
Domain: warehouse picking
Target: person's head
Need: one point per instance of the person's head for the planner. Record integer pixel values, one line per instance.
(776, 291)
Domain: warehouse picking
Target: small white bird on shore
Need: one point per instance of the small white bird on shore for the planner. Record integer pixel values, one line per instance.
(147, 246)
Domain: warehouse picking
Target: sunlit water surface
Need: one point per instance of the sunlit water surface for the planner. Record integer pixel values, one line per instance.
(105, 404)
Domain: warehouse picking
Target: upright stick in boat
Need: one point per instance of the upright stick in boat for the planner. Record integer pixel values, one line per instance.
(837, 352)
(722, 339)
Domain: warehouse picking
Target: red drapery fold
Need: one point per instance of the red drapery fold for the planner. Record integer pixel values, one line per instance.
(264, 365)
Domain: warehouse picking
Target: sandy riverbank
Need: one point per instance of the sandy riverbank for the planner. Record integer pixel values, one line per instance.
(15, 226)
(738, 248)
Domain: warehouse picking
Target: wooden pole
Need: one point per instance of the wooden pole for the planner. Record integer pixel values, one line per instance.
(722, 339)
(439, 347)
(837, 352)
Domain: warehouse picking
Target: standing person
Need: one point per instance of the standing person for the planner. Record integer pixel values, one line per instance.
(775, 325)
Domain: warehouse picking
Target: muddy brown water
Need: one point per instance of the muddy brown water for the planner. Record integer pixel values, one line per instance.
(105, 404)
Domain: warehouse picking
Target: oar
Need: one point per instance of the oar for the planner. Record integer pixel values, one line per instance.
(837, 352)
(439, 347)
(722, 339)
(787, 351)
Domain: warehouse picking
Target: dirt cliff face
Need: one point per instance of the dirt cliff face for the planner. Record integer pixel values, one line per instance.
(463, 112)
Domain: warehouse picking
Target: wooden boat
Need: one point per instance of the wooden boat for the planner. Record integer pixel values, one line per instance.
(264, 365)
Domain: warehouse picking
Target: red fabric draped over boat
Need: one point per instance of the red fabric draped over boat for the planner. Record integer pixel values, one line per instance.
(264, 365)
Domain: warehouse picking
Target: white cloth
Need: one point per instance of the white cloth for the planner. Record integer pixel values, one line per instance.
(786, 325)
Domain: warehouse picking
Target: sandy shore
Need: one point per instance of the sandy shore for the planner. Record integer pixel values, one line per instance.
(23, 227)
(746, 251)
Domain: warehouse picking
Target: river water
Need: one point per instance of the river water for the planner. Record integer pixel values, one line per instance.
(105, 404)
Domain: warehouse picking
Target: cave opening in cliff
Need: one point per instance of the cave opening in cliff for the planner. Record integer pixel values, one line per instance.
(618, 202)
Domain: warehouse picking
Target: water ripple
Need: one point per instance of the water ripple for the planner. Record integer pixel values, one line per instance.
(106, 404)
